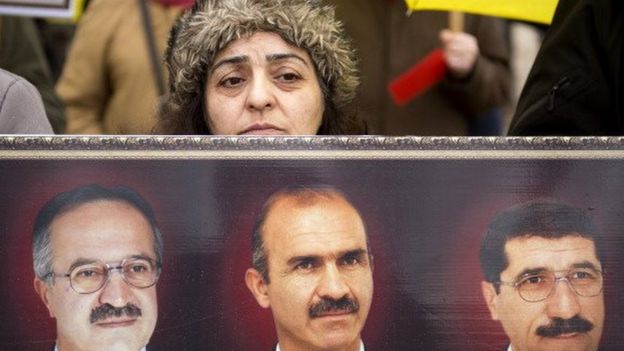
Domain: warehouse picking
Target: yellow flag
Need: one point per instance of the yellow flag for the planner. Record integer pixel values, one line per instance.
(541, 11)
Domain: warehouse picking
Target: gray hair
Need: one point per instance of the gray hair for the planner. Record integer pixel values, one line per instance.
(69, 200)
(306, 196)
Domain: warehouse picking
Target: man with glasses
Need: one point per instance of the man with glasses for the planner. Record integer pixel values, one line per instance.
(97, 256)
(542, 263)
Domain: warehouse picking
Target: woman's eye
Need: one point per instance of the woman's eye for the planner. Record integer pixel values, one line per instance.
(231, 82)
(289, 77)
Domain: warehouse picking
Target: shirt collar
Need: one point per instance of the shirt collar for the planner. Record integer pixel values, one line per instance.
(56, 348)
(277, 348)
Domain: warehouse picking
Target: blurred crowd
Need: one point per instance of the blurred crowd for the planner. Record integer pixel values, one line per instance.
(122, 70)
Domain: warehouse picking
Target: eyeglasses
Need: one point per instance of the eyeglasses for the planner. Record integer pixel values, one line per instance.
(536, 287)
(89, 278)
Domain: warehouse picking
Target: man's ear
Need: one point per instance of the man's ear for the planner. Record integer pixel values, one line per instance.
(491, 298)
(43, 289)
(258, 287)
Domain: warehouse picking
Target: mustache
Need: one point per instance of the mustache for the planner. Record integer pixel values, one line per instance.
(344, 304)
(107, 310)
(559, 326)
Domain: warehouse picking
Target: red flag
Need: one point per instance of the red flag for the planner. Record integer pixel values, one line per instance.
(424, 74)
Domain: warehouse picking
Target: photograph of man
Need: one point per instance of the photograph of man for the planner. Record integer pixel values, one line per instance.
(542, 263)
(312, 266)
(97, 256)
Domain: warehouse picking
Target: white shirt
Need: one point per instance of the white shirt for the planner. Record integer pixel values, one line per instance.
(509, 348)
(360, 349)
(57, 349)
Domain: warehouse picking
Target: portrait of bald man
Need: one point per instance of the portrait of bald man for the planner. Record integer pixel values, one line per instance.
(312, 266)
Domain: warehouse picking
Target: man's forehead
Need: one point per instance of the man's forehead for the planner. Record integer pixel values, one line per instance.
(551, 253)
(101, 230)
(332, 222)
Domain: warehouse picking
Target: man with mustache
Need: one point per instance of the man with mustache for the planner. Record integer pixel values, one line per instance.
(542, 262)
(312, 266)
(97, 255)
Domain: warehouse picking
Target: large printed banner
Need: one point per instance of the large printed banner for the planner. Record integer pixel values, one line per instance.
(426, 205)
(68, 9)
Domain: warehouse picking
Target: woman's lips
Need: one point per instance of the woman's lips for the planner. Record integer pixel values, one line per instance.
(262, 129)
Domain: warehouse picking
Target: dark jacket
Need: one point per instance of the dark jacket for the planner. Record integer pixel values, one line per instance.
(575, 85)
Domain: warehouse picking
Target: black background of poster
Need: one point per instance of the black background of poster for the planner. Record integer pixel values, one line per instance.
(425, 219)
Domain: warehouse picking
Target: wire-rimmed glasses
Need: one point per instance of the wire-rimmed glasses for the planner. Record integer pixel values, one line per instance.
(538, 286)
(139, 272)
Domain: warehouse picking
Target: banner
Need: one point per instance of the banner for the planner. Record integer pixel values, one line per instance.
(540, 11)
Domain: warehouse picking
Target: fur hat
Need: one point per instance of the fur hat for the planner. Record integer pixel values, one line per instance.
(201, 33)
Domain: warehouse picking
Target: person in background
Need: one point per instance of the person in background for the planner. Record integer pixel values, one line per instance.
(260, 67)
(21, 53)
(389, 43)
(110, 80)
(576, 83)
(21, 108)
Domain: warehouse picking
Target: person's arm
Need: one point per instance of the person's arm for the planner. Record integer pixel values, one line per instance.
(21, 108)
(479, 76)
(21, 53)
(83, 86)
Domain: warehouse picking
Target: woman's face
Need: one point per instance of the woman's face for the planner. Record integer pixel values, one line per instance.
(260, 85)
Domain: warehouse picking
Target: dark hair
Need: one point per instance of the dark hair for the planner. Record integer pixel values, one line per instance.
(69, 200)
(306, 196)
(542, 218)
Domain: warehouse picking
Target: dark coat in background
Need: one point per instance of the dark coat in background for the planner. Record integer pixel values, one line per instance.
(575, 85)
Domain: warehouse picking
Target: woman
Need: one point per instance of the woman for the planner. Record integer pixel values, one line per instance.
(259, 67)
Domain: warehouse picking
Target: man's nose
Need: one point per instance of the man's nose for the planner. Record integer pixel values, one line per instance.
(115, 291)
(563, 301)
(260, 96)
(332, 283)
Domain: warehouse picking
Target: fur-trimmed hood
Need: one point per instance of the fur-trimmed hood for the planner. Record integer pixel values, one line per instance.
(212, 24)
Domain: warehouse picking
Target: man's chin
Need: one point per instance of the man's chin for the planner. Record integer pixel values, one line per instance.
(340, 340)
(567, 342)
(117, 339)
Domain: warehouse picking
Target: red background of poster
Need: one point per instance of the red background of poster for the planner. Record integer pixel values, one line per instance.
(425, 219)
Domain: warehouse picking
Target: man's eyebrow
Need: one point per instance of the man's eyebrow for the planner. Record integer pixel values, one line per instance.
(531, 271)
(585, 264)
(141, 257)
(298, 259)
(80, 262)
(280, 57)
(354, 253)
(234, 60)
(347, 253)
